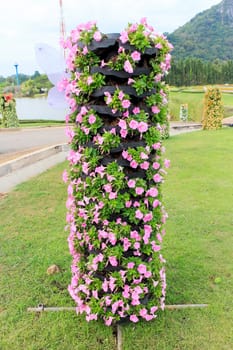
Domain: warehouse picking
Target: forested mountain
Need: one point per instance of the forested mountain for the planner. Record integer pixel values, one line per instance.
(208, 36)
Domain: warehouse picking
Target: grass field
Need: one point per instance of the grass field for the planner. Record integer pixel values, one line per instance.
(194, 97)
(198, 248)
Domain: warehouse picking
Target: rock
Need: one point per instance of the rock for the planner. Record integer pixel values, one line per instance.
(53, 269)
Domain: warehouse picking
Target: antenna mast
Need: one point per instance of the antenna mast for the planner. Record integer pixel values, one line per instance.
(62, 24)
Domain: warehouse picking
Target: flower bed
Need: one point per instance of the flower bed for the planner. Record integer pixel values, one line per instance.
(115, 210)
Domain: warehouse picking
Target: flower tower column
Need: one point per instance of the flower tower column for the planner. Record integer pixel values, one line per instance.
(115, 213)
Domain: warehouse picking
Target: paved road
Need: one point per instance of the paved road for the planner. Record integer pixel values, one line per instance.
(25, 139)
(31, 138)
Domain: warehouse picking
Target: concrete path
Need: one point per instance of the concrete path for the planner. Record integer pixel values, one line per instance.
(14, 178)
(19, 141)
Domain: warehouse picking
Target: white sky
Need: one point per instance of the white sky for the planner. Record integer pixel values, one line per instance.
(25, 23)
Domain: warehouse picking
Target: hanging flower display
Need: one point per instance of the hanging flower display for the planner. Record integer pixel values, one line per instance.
(118, 105)
(8, 111)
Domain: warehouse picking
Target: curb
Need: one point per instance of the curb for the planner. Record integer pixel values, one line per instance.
(185, 126)
(10, 129)
(21, 162)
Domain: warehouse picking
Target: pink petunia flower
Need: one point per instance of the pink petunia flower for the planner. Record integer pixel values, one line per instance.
(155, 109)
(128, 67)
(138, 214)
(121, 95)
(125, 294)
(83, 110)
(123, 133)
(135, 235)
(112, 284)
(121, 49)
(142, 269)
(143, 312)
(125, 103)
(142, 127)
(126, 114)
(145, 165)
(143, 21)
(159, 46)
(153, 309)
(136, 56)
(92, 119)
(97, 36)
(152, 192)
(103, 64)
(136, 110)
(137, 245)
(133, 164)
(131, 81)
(134, 318)
(107, 188)
(130, 265)
(155, 247)
(125, 154)
(133, 124)
(108, 321)
(128, 204)
(148, 217)
(147, 229)
(143, 155)
(155, 203)
(122, 124)
(124, 37)
(156, 165)
(133, 28)
(126, 244)
(113, 260)
(135, 302)
(139, 190)
(109, 97)
(131, 183)
(85, 50)
(112, 195)
(149, 317)
(157, 178)
(148, 274)
(158, 77)
(79, 118)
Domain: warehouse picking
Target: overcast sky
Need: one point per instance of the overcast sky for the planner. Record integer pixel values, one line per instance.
(25, 23)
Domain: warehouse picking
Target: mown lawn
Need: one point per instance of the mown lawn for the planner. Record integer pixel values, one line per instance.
(198, 247)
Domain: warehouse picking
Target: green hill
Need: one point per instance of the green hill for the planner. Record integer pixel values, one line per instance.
(209, 35)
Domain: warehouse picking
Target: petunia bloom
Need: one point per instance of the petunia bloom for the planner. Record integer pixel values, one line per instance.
(133, 124)
(125, 103)
(92, 119)
(136, 56)
(97, 36)
(128, 67)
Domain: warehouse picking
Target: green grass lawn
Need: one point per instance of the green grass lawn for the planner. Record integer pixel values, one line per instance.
(198, 247)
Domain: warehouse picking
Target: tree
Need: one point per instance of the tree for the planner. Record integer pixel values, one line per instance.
(29, 88)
